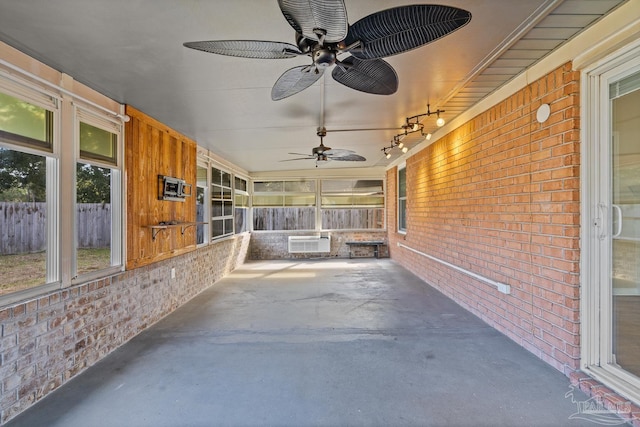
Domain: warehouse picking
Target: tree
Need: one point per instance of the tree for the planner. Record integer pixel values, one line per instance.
(23, 177)
(93, 184)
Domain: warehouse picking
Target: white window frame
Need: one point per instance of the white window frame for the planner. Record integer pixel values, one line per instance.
(117, 211)
(402, 166)
(61, 168)
(52, 103)
(321, 207)
(222, 217)
(595, 300)
(206, 214)
(284, 194)
(247, 192)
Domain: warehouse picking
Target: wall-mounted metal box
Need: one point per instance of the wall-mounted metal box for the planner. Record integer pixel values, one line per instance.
(173, 188)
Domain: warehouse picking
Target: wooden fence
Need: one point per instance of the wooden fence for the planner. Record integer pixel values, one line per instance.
(23, 226)
(284, 218)
(304, 218)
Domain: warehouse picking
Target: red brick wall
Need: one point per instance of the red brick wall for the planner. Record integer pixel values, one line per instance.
(499, 196)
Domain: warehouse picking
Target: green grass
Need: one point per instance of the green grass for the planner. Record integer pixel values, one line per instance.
(24, 271)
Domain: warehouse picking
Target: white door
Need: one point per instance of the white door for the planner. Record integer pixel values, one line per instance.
(611, 206)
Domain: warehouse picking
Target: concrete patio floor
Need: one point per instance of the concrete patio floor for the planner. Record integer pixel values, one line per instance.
(315, 343)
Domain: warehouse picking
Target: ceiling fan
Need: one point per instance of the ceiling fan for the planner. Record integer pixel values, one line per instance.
(322, 153)
(323, 33)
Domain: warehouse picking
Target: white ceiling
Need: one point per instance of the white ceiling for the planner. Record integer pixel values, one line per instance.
(131, 51)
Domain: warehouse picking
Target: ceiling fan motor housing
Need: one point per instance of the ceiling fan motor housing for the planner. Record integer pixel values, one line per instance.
(324, 57)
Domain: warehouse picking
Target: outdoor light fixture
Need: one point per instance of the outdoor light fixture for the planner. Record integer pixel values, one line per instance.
(414, 121)
(412, 124)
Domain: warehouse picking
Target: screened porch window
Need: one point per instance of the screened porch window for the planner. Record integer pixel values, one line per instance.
(352, 204)
(284, 205)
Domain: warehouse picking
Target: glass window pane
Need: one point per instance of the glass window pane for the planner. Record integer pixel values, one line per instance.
(337, 186)
(402, 182)
(24, 123)
(368, 200)
(217, 208)
(368, 186)
(23, 220)
(624, 190)
(268, 200)
(241, 184)
(402, 214)
(299, 186)
(336, 200)
(96, 143)
(217, 229)
(200, 200)
(355, 186)
(216, 192)
(220, 177)
(240, 218)
(201, 176)
(215, 176)
(226, 193)
(93, 218)
(242, 200)
(353, 218)
(228, 208)
(300, 200)
(228, 226)
(302, 218)
(226, 179)
(268, 186)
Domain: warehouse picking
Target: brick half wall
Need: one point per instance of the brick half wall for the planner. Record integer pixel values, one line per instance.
(49, 340)
(274, 245)
(499, 197)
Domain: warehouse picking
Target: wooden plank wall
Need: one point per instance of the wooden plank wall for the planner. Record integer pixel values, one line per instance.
(153, 149)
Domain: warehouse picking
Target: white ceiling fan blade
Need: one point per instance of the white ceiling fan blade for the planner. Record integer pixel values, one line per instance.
(295, 80)
(305, 16)
(247, 48)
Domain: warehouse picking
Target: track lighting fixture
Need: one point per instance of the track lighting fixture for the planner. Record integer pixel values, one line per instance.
(413, 124)
(414, 121)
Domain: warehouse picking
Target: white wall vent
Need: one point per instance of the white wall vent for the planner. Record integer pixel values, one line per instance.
(309, 244)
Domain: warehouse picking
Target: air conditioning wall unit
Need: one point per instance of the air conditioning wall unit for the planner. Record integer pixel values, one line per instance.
(309, 244)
